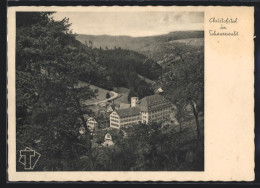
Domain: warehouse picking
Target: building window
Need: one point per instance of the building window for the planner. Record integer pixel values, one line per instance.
(113, 124)
(114, 120)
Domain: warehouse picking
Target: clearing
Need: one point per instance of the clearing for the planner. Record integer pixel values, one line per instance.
(123, 94)
(101, 95)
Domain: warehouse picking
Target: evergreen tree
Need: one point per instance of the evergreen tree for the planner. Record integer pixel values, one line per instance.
(107, 95)
(48, 108)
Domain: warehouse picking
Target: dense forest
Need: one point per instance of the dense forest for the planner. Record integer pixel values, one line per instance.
(160, 48)
(121, 68)
(50, 62)
(140, 44)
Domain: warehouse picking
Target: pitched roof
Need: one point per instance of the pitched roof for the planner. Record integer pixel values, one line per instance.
(153, 102)
(159, 90)
(114, 133)
(128, 112)
(124, 105)
(91, 119)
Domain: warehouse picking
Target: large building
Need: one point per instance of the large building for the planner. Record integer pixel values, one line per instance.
(125, 117)
(154, 108)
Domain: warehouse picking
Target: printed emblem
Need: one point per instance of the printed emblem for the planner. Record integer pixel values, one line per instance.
(29, 158)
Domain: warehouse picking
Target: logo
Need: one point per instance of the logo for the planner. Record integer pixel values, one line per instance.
(29, 158)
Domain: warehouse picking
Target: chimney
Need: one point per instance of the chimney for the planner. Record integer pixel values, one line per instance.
(133, 101)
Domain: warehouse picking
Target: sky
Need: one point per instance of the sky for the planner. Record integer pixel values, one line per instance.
(133, 24)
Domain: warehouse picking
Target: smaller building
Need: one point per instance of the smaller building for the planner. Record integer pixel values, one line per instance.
(91, 123)
(159, 90)
(108, 142)
(108, 137)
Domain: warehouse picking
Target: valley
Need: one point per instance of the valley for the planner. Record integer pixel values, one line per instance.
(134, 64)
(108, 103)
(154, 47)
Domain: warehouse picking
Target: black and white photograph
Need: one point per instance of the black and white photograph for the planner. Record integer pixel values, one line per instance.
(109, 91)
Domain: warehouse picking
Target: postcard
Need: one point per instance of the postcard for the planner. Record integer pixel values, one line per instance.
(129, 93)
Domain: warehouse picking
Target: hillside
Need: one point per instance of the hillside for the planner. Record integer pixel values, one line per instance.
(136, 62)
(155, 47)
(136, 43)
(122, 68)
(100, 93)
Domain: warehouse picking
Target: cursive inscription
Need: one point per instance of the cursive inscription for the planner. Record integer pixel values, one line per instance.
(217, 33)
(223, 20)
(224, 27)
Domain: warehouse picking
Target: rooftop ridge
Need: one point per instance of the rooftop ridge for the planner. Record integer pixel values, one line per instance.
(128, 111)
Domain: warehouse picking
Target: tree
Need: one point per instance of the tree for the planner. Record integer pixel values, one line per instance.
(107, 95)
(131, 93)
(180, 113)
(184, 82)
(90, 44)
(49, 112)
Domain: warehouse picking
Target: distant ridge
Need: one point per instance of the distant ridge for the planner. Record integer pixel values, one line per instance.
(136, 43)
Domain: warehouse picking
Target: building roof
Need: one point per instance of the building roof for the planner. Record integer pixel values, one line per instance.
(114, 133)
(159, 90)
(108, 136)
(124, 105)
(91, 119)
(153, 102)
(128, 112)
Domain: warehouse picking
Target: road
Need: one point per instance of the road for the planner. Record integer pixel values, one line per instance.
(115, 95)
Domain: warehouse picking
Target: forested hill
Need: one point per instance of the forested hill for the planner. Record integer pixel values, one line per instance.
(160, 48)
(136, 43)
(50, 62)
(122, 68)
